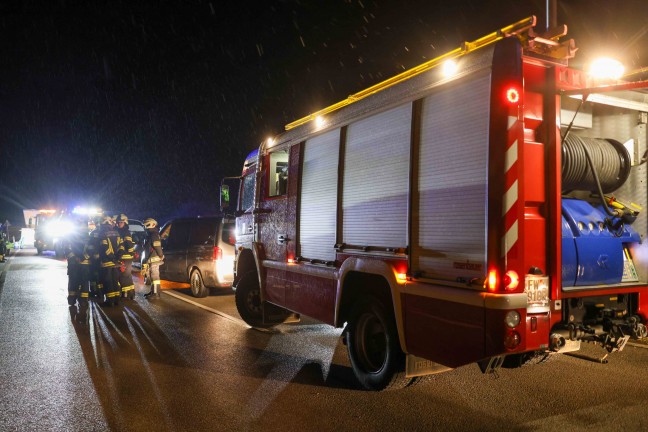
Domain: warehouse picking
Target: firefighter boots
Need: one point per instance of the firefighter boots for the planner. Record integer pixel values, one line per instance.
(154, 293)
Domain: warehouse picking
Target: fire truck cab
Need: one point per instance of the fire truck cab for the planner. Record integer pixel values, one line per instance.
(484, 207)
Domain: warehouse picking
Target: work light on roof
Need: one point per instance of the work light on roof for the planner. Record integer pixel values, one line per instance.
(319, 122)
(449, 68)
(606, 68)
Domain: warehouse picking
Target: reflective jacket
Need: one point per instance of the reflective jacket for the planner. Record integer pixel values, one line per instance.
(154, 246)
(127, 249)
(110, 241)
(77, 249)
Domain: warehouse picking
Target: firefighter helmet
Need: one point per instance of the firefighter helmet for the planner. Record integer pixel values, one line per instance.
(150, 223)
(122, 218)
(107, 220)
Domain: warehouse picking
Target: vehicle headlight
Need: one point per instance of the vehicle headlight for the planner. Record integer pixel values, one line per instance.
(59, 228)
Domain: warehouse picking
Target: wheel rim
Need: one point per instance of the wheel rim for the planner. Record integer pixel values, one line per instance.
(195, 283)
(371, 342)
(253, 302)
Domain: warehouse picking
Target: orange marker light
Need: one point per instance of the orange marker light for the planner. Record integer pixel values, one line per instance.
(401, 277)
(492, 280)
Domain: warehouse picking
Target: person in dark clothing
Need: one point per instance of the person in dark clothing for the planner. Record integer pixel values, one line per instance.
(155, 259)
(126, 252)
(78, 262)
(92, 248)
(3, 246)
(110, 241)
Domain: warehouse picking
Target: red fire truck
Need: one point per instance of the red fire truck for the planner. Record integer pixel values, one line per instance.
(483, 207)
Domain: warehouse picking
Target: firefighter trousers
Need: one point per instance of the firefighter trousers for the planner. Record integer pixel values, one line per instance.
(154, 274)
(126, 279)
(109, 279)
(78, 283)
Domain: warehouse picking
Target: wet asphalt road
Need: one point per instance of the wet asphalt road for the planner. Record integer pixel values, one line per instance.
(170, 365)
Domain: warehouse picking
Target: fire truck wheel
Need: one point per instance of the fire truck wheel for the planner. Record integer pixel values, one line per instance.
(374, 351)
(248, 301)
(198, 288)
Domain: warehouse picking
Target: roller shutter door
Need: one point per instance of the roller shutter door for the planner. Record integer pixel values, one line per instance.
(318, 209)
(450, 227)
(376, 179)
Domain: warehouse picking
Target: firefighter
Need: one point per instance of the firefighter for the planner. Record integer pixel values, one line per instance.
(127, 249)
(155, 258)
(108, 256)
(96, 287)
(75, 254)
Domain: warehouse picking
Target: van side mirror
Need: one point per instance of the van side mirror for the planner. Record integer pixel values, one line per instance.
(224, 197)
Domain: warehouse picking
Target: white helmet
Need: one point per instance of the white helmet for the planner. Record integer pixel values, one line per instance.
(150, 223)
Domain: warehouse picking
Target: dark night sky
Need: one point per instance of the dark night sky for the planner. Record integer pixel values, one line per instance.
(141, 106)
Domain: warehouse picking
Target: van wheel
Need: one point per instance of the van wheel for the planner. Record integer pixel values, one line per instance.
(198, 288)
(248, 301)
(374, 350)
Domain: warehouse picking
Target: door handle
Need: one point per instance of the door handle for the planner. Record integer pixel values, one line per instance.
(281, 238)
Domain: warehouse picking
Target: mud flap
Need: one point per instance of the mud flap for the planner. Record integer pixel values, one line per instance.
(273, 314)
(491, 365)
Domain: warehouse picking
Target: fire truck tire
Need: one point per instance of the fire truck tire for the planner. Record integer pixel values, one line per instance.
(248, 301)
(198, 288)
(374, 350)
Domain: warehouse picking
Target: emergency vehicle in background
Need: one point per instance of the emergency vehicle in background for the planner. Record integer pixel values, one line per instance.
(53, 227)
(482, 207)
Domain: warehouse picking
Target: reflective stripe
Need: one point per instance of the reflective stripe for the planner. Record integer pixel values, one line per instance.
(157, 243)
(128, 288)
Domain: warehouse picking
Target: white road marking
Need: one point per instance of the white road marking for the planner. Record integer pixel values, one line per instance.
(207, 308)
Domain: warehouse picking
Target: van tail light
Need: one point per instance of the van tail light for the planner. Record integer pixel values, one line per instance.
(218, 254)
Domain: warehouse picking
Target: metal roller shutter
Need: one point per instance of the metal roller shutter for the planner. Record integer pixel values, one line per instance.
(318, 210)
(376, 179)
(450, 231)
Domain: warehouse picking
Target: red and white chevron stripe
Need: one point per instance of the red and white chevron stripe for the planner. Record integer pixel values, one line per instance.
(511, 194)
